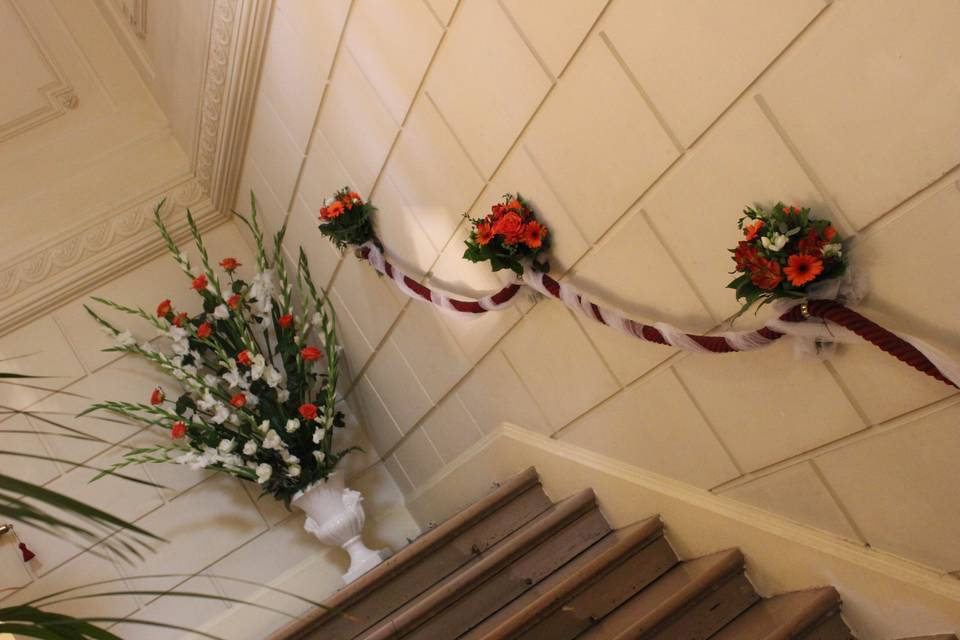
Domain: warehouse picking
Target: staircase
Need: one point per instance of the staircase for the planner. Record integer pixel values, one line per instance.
(516, 566)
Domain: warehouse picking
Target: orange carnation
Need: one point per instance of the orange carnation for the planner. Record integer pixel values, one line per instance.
(802, 268)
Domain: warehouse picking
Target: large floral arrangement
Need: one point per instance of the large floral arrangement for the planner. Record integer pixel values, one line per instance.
(346, 219)
(257, 380)
(507, 236)
(784, 252)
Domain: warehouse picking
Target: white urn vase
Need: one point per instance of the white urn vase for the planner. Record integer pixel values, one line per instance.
(335, 516)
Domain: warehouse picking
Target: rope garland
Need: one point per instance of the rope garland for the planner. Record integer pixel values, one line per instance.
(838, 323)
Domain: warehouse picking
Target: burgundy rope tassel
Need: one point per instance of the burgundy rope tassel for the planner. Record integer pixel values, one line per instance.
(876, 335)
(27, 554)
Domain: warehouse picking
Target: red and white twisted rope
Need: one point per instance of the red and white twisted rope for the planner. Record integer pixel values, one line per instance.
(837, 322)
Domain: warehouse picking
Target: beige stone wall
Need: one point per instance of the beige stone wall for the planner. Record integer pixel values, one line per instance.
(216, 526)
(639, 129)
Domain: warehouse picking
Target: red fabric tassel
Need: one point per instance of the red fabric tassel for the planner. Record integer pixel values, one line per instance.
(27, 554)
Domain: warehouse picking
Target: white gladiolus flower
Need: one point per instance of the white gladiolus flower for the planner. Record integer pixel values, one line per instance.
(318, 434)
(320, 456)
(227, 446)
(272, 440)
(288, 457)
(190, 369)
(211, 380)
(264, 426)
(125, 339)
(293, 470)
(833, 249)
(250, 448)
(233, 460)
(283, 395)
(221, 312)
(264, 471)
(261, 288)
(178, 374)
(272, 377)
(776, 242)
(252, 400)
(221, 414)
(147, 347)
(233, 377)
(292, 425)
(257, 364)
(207, 402)
(234, 420)
(177, 333)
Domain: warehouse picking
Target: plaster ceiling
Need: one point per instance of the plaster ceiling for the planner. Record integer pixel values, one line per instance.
(79, 131)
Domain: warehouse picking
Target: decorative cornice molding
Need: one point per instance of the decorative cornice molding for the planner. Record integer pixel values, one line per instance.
(118, 240)
(237, 41)
(84, 259)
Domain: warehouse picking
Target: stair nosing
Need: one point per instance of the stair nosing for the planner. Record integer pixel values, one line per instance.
(506, 492)
(491, 562)
(640, 537)
(730, 563)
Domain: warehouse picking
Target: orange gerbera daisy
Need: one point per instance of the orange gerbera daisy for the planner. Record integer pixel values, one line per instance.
(802, 268)
(484, 233)
(533, 234)
(752, 230)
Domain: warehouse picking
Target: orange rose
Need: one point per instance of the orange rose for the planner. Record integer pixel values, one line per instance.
(229, 264)
(510, 226)
(199, 283)
(234, 300)
(311, 353)
(164, 308)
(829, 233)
(285, 320)
(244, 358)
(204, 330)
(178, 430)
(308, 411)
(239, 401)
(157, 397)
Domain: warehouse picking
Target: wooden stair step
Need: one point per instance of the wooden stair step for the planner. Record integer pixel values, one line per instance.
(429, 559)
(942, 636)
(503, 573)
(801, 614)
(585, 589)
(691, 601)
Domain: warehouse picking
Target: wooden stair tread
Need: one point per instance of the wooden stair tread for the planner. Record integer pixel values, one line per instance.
(693, 600)
(942, 636)
(431, 557)
(791, 615)
(501, 574)
(588, 587)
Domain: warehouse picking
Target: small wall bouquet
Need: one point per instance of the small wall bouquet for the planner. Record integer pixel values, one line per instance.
(255, 380)
(507, 236)
(346, 219)
(783, 253)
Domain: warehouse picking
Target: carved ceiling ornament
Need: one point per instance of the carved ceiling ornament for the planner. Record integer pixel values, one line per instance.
(118, 240)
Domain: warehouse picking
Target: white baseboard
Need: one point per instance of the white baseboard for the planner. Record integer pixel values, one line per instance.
(884, 596)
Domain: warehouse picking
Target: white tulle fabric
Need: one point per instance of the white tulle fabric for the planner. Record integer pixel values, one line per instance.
(813, 338)
(439, 298)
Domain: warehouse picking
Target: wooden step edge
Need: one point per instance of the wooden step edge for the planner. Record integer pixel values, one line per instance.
(627, 542)
(714, 570)
(506, 492)
(942, 636)
(785, 616)
(490, 563)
